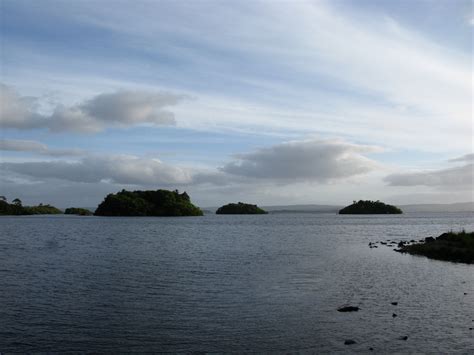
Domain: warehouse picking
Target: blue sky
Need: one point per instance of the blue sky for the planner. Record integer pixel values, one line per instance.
(269, 102)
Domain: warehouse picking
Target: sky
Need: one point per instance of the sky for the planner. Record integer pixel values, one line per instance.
(267, 102)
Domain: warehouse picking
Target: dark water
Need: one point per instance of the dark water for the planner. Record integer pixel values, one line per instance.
(230, 283)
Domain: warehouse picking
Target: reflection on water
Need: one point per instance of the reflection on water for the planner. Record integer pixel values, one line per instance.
(230, 283)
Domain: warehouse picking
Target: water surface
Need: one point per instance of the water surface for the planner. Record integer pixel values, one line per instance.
(230, 283)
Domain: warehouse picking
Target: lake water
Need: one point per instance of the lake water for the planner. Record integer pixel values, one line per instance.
(268, 283)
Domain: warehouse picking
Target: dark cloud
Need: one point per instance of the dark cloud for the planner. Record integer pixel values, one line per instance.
(313, 160)
(122, 109)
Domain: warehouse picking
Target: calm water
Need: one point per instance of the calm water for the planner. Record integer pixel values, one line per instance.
(230, 283)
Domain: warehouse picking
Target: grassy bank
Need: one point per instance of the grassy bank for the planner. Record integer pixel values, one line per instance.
(451, 246)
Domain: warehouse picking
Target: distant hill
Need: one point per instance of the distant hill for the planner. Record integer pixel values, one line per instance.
(302, 209)
(451, 207)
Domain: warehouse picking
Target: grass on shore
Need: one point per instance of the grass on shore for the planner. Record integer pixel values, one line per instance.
(451, 246)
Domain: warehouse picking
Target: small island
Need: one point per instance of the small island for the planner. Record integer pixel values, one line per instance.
(370, 207)
(159, 203)
(16, 208)
(78, 211)
(451, 246)
(240, 208)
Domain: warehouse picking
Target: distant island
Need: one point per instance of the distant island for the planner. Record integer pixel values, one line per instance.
(15, 208)
(78, 211)
(370, 207)
(240, 208)
(451, 246)
(148, 203)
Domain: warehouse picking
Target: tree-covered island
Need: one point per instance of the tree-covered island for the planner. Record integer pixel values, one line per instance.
(240, 208)
(370, 207)
(78, 211)
(148, 203)
(16, 208)
(451, 246)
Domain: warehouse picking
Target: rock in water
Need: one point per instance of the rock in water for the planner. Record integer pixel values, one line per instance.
(348, 309)
(349, 342)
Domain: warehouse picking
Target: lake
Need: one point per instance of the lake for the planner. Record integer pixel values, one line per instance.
(268, 283)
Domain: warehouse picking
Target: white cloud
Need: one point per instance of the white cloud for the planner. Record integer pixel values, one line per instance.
(131, 107)
(22, 146)
(312, 160)
(459, 177)
(118, 169)
(36, 147)
(468, 158)
(18, 111)
(121, 108)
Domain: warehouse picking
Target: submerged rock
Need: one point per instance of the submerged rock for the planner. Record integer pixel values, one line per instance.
(349, 342)
(348, 309)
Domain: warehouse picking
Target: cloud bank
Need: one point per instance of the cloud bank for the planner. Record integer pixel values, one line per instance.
(120, 169)
(468, 158)
(459, 177)
(311, 160)
(14, 145)
(119, 109)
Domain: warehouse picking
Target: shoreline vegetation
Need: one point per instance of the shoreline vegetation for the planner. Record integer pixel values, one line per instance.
(451, 246)
(370, 207)
(78, 211)
(147, 203)
(15, 208)
(240, 208)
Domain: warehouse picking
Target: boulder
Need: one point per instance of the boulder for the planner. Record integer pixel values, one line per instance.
(348, 309)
